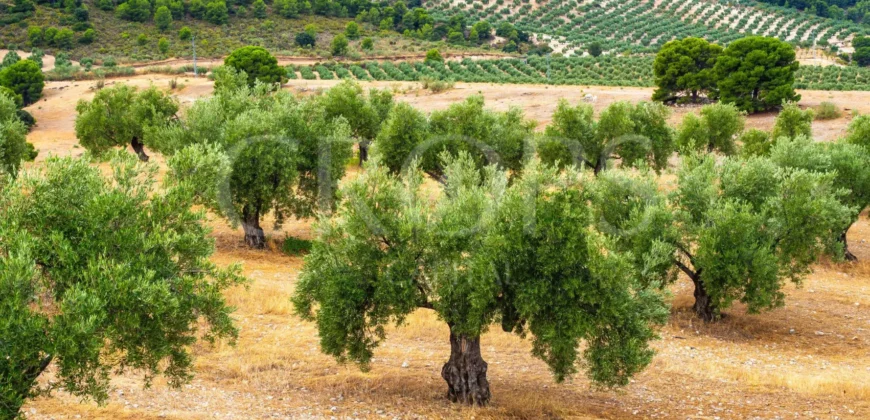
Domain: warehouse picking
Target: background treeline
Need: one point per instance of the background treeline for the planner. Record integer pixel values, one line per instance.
(857, 11)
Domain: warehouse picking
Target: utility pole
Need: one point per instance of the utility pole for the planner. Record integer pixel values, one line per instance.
(193, 45)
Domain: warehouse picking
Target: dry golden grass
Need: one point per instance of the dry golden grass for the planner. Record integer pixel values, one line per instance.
(809, 359)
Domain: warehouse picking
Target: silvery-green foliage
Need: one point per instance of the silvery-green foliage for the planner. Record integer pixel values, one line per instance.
(260, 151)
(636, 134)
(793, 122)
(747, 225)
(103, 274)
(13, 138)
(716, 128)
(524, 254)
(846, 162)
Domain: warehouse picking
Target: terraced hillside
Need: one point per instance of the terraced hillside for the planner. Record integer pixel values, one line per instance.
(570, 26)
(588, 71)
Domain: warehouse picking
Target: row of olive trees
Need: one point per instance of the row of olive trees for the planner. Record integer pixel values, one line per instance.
(519, 234)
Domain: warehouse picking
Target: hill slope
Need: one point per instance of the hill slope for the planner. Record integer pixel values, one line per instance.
(570, 26)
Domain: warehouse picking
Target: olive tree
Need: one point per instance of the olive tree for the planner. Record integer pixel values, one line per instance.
(119, 116)
(715, 129)
(364, 113)
(859, 131)
(846, 162)
(253, 151)
(100, 275)
(792, 122)
(522, 254)
(746, 226)
(633, 133)
(489, 137)
(14, 147)
(405, 129)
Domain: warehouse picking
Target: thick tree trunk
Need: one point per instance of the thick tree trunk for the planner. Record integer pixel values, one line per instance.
(703, 305)
(465, 372)
(254, 235)
(139, 148)
(11, 403)
(600, 165)
(846, 253)
(363, 152)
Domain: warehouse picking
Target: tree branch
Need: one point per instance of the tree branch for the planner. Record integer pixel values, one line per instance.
(34, 372)
(692, 274)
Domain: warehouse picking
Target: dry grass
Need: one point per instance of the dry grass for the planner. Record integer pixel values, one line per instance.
(809, 359)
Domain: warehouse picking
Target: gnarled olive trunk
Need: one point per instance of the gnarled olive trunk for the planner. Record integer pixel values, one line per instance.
(704, 306)
(139, 148)
(254, 235)
(849, 256)
(465, 372)
(363, 152)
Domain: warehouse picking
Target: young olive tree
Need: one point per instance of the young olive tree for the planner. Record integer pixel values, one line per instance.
(746, 226)
(793, 122)
(364, 113)
(489, 137)
(716, 129)
(524, 255)
(99, 275)
(252, 151)
(119, 116)
(633, 133)
(790, 123)
(14, 147)
(846, 162)
(405, 129)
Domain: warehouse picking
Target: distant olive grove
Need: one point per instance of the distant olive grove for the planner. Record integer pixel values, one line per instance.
(563, 235)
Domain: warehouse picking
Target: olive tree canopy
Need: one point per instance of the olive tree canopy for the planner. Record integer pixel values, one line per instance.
(100, 274)
(524, 255)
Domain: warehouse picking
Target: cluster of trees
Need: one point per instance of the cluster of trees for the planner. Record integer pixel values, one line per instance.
(250, 150)
(63, 38)
(551, 234)
(755, 73)
(563, 254)
(857, 11)
(75, 15)
(861, 56)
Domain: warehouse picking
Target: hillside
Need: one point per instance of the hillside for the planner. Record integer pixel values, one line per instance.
(570, 26)
(132, 41)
